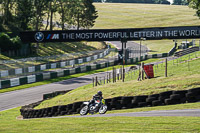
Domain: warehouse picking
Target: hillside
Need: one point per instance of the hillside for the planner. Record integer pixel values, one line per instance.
(143, 15)
(181, 76)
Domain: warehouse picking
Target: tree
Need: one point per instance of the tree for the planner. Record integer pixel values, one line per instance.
(180, 2)
(39, 8)
(89, 15)
(6, 7)
(84, 14)
(24, 13)
(195, 4)
(51, 9)
(65, 8)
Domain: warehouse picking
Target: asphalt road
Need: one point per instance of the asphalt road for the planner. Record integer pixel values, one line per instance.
(30, 95)
(18, 98)
(186, 112)
(133, 47)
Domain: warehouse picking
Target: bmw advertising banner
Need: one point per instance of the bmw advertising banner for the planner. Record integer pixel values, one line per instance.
(182, 32)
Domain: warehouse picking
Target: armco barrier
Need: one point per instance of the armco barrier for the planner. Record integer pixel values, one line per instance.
(116, 103)
(53, 65)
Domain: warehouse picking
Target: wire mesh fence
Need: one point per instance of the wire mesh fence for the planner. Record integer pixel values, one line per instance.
(166, 67)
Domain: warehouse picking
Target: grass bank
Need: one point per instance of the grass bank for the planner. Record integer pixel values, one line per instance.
(123, 15)
(52, 49)
(9, 123)
(180, 77)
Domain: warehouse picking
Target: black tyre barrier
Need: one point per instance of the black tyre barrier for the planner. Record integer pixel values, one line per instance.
(181, 93)
(154, 95)
(164, 98)
(195, 90)
(157, 103)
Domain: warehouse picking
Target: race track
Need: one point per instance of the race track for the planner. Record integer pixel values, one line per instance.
(30, 95)
(182, 113)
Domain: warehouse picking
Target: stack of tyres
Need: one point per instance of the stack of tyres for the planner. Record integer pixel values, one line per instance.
(108, 103)
(173, 99)
(126, 102)
(116, 103)
(70, 110)
(193, 95)
(162, 97)
(151, 99)
(62, 110)
(77, 107)
(139, 101)
(182, 94)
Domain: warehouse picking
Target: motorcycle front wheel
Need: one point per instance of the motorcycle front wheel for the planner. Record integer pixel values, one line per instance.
(103, 109)
(84, 111)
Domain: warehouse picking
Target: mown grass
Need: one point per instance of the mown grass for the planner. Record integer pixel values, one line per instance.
(57, 79)
(180, 77)
(64, 48)
(158, 46)
(50, 49)
(9, 123)
(124, 15)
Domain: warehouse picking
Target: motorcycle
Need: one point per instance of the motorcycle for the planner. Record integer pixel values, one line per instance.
(94, 107)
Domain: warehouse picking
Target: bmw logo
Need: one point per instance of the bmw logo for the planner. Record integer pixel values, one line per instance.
(39, 36)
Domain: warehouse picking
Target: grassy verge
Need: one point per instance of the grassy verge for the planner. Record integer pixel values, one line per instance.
(158, 46)
(124, 15)
(9, 123)
(49, 49)
(179, 78)
(56, 80)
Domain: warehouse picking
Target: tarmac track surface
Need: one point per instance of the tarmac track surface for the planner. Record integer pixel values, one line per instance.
(19, 98)
(179, 113)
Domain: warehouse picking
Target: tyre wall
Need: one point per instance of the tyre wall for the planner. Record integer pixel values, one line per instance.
(116, 103)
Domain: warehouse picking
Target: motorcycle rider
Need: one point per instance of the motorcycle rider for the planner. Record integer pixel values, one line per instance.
(97, 97)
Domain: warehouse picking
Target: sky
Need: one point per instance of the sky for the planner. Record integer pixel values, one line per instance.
(170, 1)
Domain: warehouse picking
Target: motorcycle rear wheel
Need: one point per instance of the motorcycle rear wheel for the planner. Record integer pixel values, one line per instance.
(84, 110)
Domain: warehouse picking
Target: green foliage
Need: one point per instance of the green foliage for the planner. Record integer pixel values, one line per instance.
(180, 2)
(24, 13)
(6, 43)
(195, 4)
(10, 124)
(28, 14)
(17, 44)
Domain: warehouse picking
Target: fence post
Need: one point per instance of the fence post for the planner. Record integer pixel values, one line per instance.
(121, 73)
(96, 81)
(113, 75)
(142, 65)
(93, 81)
(109, 77)
(189, 62)
(165, 67)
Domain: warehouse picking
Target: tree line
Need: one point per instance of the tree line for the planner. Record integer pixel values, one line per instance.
(32, 14)
(36, 15)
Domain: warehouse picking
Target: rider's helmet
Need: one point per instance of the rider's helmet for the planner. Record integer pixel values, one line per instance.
(99, 93)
